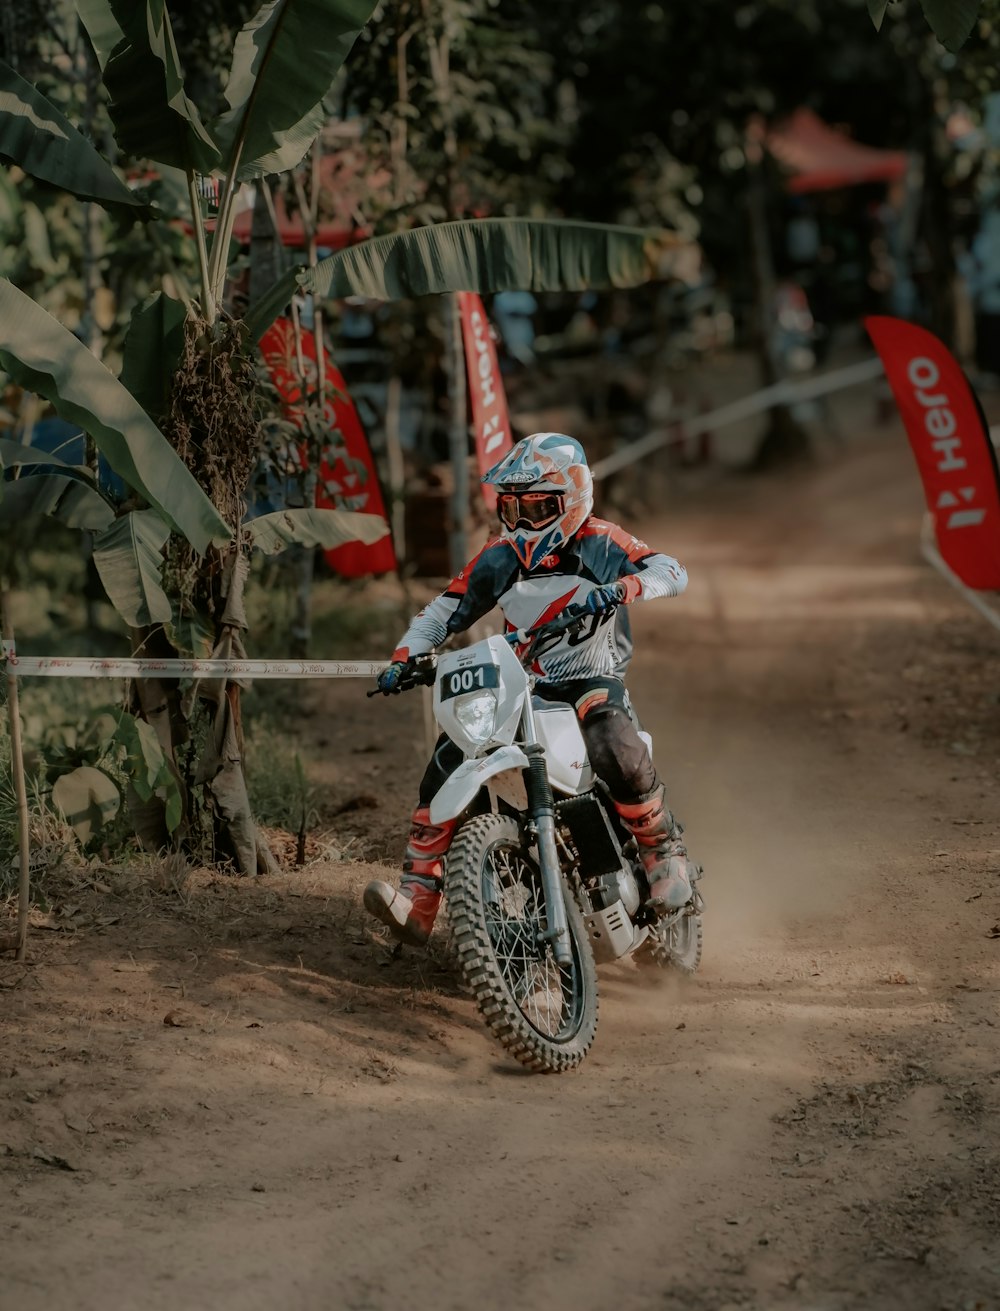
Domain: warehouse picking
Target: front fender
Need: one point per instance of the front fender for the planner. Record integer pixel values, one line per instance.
(461, 788)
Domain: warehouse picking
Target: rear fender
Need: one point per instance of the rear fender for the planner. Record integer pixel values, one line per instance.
(461, 788)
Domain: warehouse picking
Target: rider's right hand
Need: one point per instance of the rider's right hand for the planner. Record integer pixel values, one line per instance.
(389, 679)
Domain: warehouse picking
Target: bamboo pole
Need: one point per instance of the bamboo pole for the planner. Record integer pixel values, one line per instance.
(17, 767)
(397, 468)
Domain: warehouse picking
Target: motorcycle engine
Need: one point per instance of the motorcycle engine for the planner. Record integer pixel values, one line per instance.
(619, 885)
(615, 899)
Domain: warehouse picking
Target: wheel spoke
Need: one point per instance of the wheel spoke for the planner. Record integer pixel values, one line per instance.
(543, 992)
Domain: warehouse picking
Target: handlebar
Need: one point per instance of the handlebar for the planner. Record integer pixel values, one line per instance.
(573, 618)
(422, 671)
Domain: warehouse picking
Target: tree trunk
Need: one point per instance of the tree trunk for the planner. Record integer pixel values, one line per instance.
(785, 441)
(936, 229)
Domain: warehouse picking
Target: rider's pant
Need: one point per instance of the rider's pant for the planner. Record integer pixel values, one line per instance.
(617, 753)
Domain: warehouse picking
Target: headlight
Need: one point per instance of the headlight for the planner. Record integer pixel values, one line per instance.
(477, 713)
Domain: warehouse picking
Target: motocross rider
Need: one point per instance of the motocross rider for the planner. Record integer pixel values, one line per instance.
(551, 553)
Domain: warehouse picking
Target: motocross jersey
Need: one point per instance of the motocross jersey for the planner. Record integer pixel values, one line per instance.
(599, 554)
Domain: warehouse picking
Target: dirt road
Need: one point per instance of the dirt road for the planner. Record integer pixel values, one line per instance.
(261, 1109)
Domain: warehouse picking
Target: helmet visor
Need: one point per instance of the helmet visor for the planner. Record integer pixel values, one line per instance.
(530, 509)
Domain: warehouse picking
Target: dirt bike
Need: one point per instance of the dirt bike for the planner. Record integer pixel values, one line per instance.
(542, 881)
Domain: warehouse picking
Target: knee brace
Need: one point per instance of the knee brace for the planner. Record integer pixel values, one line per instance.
(617, 753)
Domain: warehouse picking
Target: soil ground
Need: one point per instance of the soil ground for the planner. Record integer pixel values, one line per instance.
(225, 1095)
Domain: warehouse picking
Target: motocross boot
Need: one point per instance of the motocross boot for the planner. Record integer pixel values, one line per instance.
(661, 848)
(410, 910)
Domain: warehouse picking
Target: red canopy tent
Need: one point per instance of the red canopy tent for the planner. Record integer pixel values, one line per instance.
(334, 234)
(823, 159)
(345, 179)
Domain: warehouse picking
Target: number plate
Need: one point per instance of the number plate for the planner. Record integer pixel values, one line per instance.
(470, 679)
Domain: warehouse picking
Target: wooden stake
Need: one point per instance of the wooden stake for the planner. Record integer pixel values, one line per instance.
(458, 435)
(394, 459)
(20, 790)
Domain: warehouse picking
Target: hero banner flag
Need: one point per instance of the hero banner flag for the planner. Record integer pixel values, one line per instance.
(490, 421)
(951, 442)
(347, 477)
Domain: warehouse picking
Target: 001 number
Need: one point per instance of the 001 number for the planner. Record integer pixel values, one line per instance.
(470, 680)
(466, 679)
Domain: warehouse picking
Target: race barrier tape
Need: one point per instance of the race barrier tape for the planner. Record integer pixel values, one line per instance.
(136, 667)
(786, 392)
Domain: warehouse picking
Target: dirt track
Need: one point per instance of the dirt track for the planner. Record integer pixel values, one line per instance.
(809, 1124)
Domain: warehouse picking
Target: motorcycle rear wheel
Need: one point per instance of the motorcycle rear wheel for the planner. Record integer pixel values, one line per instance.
(683, 952)
(543, 1014)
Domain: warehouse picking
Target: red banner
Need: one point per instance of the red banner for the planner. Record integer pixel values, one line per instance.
(347, 477)
(951, 442)
(490, 422)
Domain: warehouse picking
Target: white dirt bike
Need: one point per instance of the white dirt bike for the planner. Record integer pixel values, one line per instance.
(542, 882)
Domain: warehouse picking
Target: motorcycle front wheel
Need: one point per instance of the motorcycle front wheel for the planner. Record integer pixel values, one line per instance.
(544, 1014)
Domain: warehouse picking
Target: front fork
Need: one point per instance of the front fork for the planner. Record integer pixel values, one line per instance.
(541, 808)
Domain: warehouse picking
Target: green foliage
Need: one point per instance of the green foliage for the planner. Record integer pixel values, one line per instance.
(44, 357)
(272, 533)
(152, 114)
(284, 62)
(77, 760)
(14, 455)
(88, 799)
(68, 495)
(129, 559)
(190, 633)
(88, 763)
(276, 780)
(472, 255)
(153, 345)
(464, 110)
(148, 767)
(952, 21)
(35, 135)
(47, 834)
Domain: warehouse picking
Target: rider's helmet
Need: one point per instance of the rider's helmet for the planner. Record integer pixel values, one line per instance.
(544, 494)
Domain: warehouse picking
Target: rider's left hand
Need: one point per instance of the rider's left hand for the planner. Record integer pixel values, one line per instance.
(602, 599)
(389, 679)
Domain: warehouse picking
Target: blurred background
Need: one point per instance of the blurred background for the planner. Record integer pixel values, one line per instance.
(824, 170)
(814, 168)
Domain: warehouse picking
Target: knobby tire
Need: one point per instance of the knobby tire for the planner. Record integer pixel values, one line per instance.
(475, 844)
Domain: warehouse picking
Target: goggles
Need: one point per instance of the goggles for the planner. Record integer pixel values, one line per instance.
(530, 509)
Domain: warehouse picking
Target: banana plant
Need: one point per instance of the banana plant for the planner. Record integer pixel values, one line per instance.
(951, 21)
(179, 425)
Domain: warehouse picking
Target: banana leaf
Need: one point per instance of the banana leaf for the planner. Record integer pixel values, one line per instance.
(41, 355)
(102, 27)
(129, 560)
(38, 138)
(14, 454)
(284, 62)
(153, 345)
(500, 254)
(88, 799)
(148, 767)
(66, 496)
(271, 533)
(152, 115)
(37, 243)
(951, 20)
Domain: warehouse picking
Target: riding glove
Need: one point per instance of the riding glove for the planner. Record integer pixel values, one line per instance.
(389, 679)
(605, 598)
